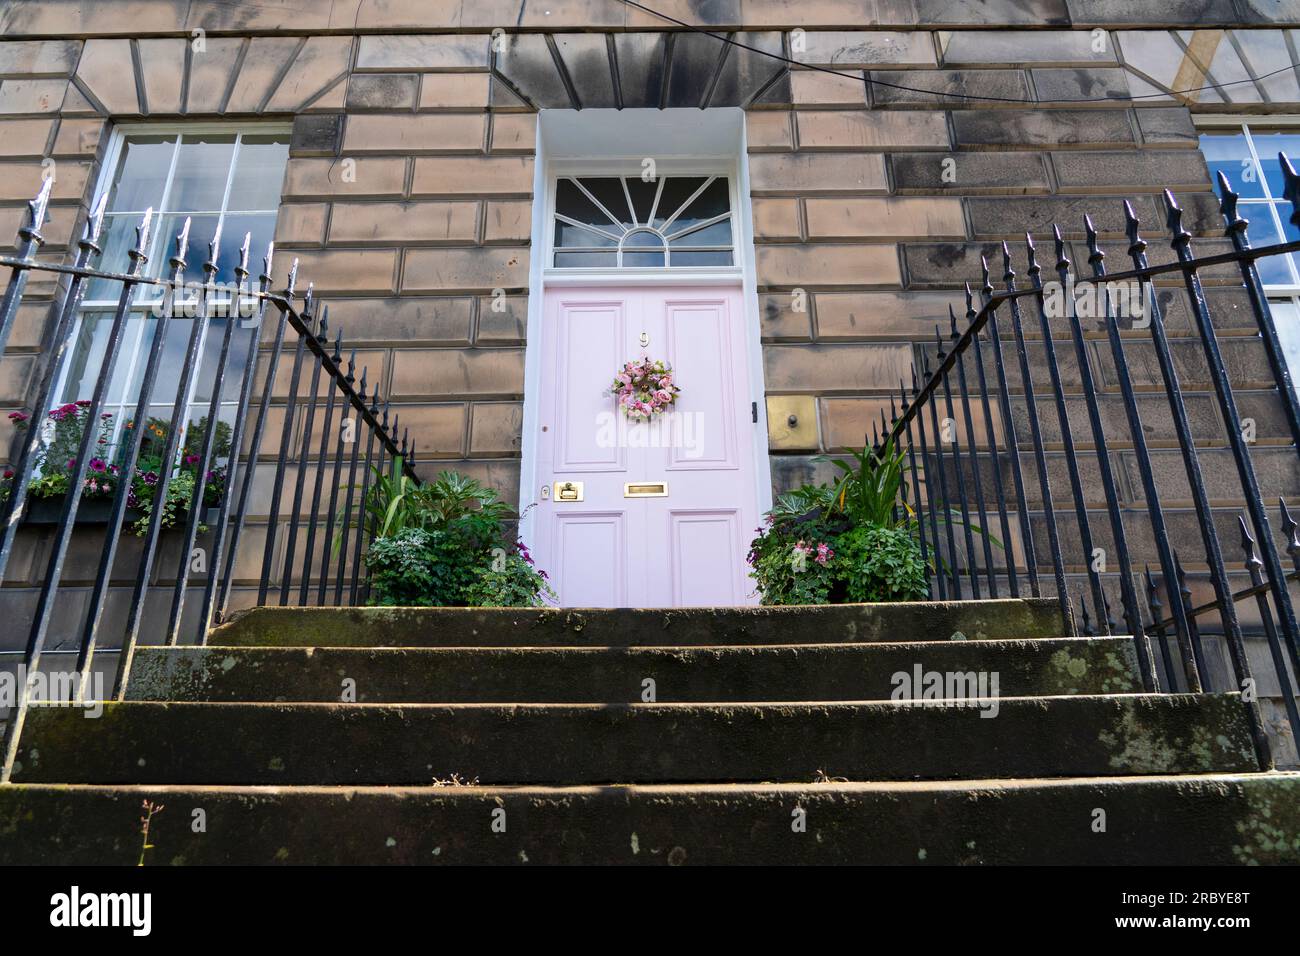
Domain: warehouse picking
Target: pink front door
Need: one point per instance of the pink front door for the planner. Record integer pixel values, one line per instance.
(668, 507)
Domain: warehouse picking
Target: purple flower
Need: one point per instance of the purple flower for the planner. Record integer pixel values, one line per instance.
(97, 464)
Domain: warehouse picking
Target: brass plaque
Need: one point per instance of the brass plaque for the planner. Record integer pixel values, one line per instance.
(792, 422)
(646, 489)
(568, 491)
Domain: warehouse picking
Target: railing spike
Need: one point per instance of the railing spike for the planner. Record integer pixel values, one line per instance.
(1291, 191)
(361, 392)
(938, 338)
(1292, 538)
(268, 259)
(323, 332)
(241, 270)
(984, 273)
(1248, 542)
(902, 396)
(1174, 219)
(970, 301)
(1031, 253)
(352, 365)
(1095, 255)
(36, 209)
(1058, 246)
(1228, 201)
(96, 222)
(952, 323)
(214, 250)
(182, 245)
(1007, 272)
(293, 281)
(1136, 244)
(338, 346)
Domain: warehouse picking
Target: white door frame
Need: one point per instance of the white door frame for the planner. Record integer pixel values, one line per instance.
(617, 141)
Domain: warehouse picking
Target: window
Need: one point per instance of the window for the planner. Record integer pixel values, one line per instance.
(226, 179)
(1248, 156)
(613, 222)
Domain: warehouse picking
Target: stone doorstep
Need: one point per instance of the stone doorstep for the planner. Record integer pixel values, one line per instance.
(645, 627)
(812, 672)
(1204, 819)
(287, 744)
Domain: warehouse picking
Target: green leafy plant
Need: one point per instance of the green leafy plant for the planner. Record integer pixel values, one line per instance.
(869, 490)
(878, 563)
(445, 544)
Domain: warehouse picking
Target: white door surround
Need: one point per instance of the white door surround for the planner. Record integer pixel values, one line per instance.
(627, 142)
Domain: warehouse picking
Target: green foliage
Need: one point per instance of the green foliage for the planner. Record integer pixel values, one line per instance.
(851, 541)
(176, 506)
(793, 560)
(880, 563)
(445, 544)
(868, 491)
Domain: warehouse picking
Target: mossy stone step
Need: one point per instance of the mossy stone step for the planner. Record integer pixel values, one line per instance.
(812, 672)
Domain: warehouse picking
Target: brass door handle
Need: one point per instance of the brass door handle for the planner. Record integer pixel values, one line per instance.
(568, 491)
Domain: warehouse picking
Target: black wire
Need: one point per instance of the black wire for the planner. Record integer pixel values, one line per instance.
(961, 96)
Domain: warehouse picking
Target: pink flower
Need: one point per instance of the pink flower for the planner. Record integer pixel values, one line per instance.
(18, 417)
(97, 464)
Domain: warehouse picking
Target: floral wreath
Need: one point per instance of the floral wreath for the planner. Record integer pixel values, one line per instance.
(644, 388)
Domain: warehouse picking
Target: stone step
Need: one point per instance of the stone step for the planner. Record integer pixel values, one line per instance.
(324, 744)
(1171, 820)
(820, 672)
(639, 627)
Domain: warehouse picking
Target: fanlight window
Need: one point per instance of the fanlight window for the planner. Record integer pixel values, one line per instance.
(611, 222)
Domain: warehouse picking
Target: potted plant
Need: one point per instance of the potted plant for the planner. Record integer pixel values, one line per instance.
(854, 541)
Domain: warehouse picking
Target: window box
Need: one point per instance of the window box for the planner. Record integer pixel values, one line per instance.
(46, 511)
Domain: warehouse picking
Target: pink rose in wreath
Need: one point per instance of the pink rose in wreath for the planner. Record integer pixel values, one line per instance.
(644, 388)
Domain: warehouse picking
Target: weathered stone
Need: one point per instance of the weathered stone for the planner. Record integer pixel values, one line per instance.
(344, 270)
(804, 173)
(502, 320)
(768, 131)
(867, 49)
(31, 96)
(852, 129)
(1016, 129)
(1010, 217)
(495, 428)
(345, 177)
(960, 88)
(884, 218)
(867, 316)
(408, 321)
(24, 138)
(454, 91)
(33, 58)
(454, 373)
(930, 173)
(776, 218)
(388, 91)
(210, 74)
(1012, 47)
(260, 73)
(422, 53)
(507, 222)
(1136, 171)
(781, 321)
(1168, 126)
(453, 270)
(473, 176)
(162, 68)
(402, 223)
(815, 88)
(814, 266)
(1081, 84)
(78, 137)
(407, 133)
(514, 133)
(828, 369)
(301, 224)
(318, 134)
(319, 69)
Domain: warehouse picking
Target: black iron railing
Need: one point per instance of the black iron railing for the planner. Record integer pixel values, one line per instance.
(331, 513)
(968, 489)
